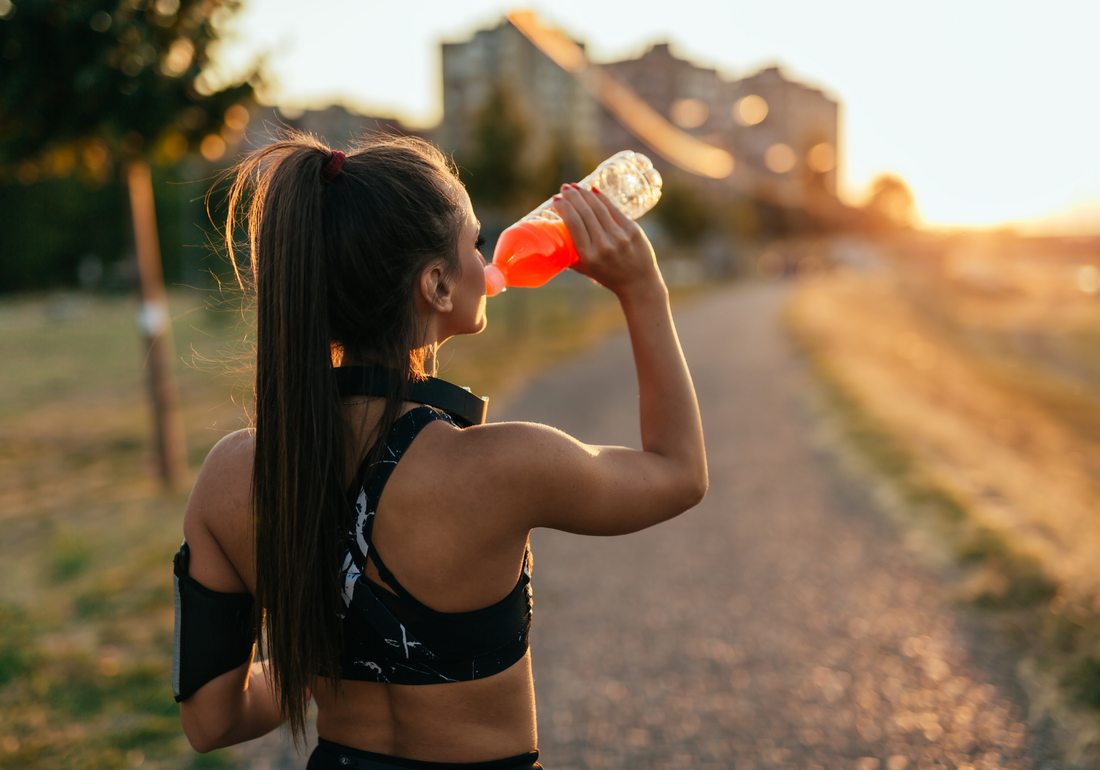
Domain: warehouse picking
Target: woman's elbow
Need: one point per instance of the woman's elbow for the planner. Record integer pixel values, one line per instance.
(691, 488)
(697, 490)
(200, 742)
(201, 734)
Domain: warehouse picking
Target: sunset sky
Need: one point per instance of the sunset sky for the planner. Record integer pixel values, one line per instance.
(988, 109)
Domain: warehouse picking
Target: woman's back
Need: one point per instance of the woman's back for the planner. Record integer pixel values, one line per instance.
(440, 539)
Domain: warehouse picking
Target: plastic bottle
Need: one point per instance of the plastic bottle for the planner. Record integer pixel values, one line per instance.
(538, 247)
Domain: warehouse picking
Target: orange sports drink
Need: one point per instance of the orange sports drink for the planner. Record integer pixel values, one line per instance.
(538, 247)
(531, 252)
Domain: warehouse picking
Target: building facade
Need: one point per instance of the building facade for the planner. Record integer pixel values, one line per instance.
(782, 134)
(552, 107)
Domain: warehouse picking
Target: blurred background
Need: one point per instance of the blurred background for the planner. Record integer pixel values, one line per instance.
(925, 180)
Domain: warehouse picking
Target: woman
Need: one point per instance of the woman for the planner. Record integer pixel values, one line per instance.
(404, 616)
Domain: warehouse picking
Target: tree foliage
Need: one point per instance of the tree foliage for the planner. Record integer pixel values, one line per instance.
(86, 85)
(684, 213)
(494, 173)
(87, 82)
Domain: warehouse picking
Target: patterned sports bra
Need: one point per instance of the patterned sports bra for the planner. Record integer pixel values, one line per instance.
(391, 636)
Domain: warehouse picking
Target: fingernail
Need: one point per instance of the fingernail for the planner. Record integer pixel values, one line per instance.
(565, 187)
(557, 197)
(596, 190)
(575, 186)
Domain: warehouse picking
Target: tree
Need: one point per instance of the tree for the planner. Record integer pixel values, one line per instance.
(684, 213)
(94, 85)
(562, 163)
(494, 173)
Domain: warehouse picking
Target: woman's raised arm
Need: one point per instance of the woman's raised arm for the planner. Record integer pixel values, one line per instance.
(564, 484)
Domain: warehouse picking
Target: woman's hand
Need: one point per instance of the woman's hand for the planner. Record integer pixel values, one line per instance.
(612, 248)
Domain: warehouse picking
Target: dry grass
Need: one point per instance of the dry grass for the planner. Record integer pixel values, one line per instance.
(967, 374)
(87, 535)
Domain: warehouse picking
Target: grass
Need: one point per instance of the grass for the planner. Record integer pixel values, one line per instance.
(982, 408)
(87, 534)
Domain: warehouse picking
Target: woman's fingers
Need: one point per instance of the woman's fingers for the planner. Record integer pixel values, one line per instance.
(575, 195)
(573, 222)
(604, 233)
(602, 208)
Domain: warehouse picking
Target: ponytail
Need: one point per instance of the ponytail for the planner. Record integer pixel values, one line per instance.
(335, 261)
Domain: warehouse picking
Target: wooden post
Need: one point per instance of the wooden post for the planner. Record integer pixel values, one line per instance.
(157, 327)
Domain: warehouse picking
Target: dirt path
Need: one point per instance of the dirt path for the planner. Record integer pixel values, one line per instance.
(781, 623)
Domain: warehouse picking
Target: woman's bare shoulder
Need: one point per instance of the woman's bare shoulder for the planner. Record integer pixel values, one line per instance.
(505, 445)
(534, 475)
(215, 523)
(505, 466)
(226, 476)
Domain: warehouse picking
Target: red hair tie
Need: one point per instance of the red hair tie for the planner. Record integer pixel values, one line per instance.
(332, 168)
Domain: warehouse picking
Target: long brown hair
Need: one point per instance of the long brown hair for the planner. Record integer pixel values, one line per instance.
(334, 267)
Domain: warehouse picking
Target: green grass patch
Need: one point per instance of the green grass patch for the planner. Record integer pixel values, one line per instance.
(69, 556)
(16, 644)
(214, 760)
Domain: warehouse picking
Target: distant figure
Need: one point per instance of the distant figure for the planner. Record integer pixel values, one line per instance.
(381, 546)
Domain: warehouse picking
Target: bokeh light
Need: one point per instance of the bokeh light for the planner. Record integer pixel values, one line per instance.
(779, 158)
(750, 110)
(179, 57)
(212, 147)
(100, 21)
(236, 117)
(95, 156)
(1088, 279)
(689, 113)
(172, 148)
(63, 160)
(821, 158)
(27, 173)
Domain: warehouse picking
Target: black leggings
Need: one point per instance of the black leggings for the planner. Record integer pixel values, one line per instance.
(334, 756)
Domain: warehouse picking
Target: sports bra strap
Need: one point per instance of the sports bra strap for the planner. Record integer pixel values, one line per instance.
(405, 429)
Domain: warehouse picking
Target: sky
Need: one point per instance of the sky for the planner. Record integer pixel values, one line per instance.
(989, 110)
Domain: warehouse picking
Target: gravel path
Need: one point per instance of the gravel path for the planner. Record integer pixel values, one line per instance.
(781, 624)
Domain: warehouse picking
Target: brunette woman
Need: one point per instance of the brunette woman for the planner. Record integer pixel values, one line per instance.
(385, 545)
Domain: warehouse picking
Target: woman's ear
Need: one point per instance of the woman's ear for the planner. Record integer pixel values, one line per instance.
(434, 290)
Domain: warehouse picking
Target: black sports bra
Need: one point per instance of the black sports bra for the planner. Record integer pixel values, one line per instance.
(392, 637)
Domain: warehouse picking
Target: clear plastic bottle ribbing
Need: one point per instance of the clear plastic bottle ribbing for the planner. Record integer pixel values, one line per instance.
(627, 178)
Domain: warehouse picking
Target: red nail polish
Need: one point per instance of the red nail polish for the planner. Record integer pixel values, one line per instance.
(565, 187)
(557, 197)
(575, 186)
(596, 190)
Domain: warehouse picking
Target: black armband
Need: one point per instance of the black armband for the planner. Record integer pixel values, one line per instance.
(214, 631)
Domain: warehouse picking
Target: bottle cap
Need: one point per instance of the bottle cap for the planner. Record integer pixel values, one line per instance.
(495, 281)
